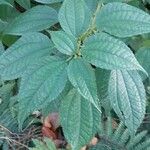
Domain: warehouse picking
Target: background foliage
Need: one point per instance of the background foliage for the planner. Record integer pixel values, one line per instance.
(88, 61)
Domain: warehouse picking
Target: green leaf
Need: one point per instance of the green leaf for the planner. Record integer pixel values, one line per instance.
(1, 52)
(74, 17)
(101, 146)
(143, 56)
(46, 145)
(148, 1)
(107, 52)
(102, 80)
(8, 40)
(48, 1)
(42, 82)
(82, 77)
(7, 13)
(15, 60)
(78, 119)
(123, 20)
(5, 2)
(8, 121)
(51, 107)
(64, 42)
(54, 105)
(109, 1)
(6, 91)
(2, 25)
(92, 4)
(1, 48)
(135, 141)
(24, 3)
(127, 97)
(35, 19)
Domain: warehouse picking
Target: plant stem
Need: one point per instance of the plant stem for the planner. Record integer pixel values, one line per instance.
(95, 14)
(92, 27)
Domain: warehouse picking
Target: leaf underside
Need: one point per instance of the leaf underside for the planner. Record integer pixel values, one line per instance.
(127, 97)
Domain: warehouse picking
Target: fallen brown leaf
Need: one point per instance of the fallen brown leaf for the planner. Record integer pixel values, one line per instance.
(94, 141)
(52, 121)
(49, 133)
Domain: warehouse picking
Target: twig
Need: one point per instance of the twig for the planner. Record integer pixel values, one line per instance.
(11, 140)
(5, 129)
